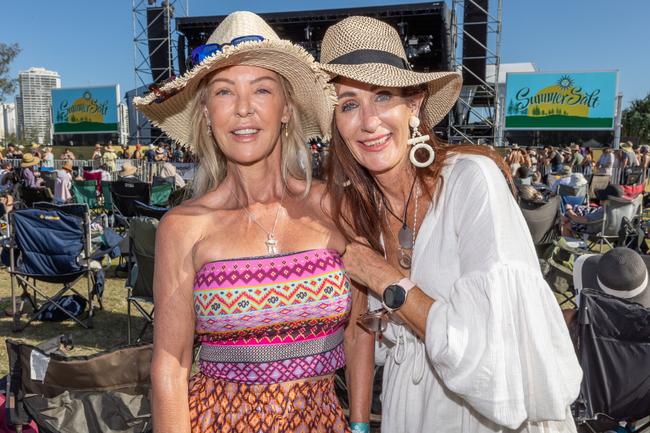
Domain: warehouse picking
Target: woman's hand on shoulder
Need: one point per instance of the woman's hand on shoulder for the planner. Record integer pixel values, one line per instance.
(367, 267)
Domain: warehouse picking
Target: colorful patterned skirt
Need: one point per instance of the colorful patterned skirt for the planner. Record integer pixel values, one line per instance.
(217, 406)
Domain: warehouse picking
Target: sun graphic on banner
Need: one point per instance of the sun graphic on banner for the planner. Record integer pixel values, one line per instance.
(565, 82)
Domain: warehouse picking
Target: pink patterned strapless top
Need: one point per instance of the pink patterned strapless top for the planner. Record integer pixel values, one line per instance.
(272, 319)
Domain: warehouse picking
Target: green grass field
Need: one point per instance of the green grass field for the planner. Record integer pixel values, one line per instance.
(110, 324)
(558, 122)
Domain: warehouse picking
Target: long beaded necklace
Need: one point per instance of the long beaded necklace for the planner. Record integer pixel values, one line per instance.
(406, 235)
(271, 243)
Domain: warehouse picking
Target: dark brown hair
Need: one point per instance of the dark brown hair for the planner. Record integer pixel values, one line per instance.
(355, 196)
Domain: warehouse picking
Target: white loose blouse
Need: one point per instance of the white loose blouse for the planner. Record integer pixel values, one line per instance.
(497, 355)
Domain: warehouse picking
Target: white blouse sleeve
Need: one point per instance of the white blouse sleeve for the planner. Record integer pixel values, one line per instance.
(499, 341)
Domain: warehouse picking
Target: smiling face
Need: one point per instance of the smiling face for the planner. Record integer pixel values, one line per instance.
(246, 106)
(373, 122)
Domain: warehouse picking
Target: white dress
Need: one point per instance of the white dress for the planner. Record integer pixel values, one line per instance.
(497, 356)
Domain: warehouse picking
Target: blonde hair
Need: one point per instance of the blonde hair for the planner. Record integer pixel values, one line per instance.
(212, 167)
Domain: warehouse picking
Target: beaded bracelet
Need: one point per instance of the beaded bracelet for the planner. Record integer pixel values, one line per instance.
(360, 427)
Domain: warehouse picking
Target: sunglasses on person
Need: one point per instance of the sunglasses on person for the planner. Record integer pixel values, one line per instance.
(202, 51)
(375, 321)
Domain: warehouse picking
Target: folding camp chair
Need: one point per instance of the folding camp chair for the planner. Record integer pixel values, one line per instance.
(50, 244)
(145, 210)
(106, 195)
(574, 196)
(107, 392)
(123, 195)
(160, 194)
(616, 211)
(49, 178)
(598, 181)
(614, 352)
(543, 222)
(85, 192)
(29, 195)
(96, 177)
(142, 244)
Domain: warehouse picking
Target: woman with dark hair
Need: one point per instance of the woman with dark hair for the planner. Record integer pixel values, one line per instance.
(473, 339)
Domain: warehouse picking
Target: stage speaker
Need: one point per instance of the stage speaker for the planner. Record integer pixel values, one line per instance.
(474, 41)
(157, 35)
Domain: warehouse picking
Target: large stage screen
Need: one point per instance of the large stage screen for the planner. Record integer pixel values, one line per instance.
(561, 100)
(85, 110)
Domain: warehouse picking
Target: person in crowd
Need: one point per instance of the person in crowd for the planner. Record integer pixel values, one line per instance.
(554, 159)
(36, 150)
(629, 154)
(620, 272)
(97, 153)
(47, 163)
(68, 154)
(128, 172)
(644, 160)
(150, 154)
(177, 155)
(537, 182)
(18, 153)
(160, 155)
(532, 154)
(29, 165)
(169, 170)
(109, 158)
(565, 178)
(530, 196)
(11, 149)
(605, 163)
(522, 177)
(515, 159)
(576, 157)
(577, 218)
(137, 153)
(248, 111)
(6, 176)
(126, 152)
(587, 164)
(472, 338)
(2, 157)
(63, 184)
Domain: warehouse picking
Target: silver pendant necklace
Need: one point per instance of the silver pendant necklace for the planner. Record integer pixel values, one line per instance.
(405, 236)
(271, 242)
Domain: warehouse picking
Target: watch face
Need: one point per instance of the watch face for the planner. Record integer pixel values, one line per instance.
(394, 296)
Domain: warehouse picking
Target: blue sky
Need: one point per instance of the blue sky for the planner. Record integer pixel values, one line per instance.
(89, 42)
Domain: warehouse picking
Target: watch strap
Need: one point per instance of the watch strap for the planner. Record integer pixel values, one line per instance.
(405, 284)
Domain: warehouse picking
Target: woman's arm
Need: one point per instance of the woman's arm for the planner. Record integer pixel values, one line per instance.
(359, 359)
(173, 325)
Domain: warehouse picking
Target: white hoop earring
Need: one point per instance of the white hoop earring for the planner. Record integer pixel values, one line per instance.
(430, 158)
(419, 141)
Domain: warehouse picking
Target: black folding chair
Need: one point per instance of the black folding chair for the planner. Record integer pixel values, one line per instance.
(29, 196)
(139, 283)
(123, 196)
(50, 244)
(614, 352)
(146, 210)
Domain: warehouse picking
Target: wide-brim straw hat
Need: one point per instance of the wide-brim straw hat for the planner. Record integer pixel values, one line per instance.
(170, 107)
(370, 51)
(29, 160)
(128, 169)
(620, 272)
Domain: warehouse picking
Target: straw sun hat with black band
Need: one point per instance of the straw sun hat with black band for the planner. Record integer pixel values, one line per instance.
(170, 107)
(370, 51)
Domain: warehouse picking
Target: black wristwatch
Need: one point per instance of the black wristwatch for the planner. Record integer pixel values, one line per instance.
(395, 294)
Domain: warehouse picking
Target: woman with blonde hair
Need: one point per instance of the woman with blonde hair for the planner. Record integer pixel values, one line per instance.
(251, 265)
(473, 338)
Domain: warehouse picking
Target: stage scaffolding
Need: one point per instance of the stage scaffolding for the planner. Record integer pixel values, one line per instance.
(154, 36)
(476, 117)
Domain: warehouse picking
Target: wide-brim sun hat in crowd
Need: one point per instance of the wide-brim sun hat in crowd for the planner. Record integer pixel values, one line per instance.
(29, 160)
(170, 108)
(620, 272)
(370, 51)
(128, 169)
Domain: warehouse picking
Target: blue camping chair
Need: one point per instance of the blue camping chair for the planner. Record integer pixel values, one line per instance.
(50, 244)
(571, 195)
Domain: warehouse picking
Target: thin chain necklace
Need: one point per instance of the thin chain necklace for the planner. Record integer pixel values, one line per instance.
(406, 236)
(271, 243)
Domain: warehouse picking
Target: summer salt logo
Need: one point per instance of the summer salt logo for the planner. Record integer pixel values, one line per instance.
(85, 110)
(560, 100)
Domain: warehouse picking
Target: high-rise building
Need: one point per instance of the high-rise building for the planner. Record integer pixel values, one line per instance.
(7, 121)
(34, 103)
